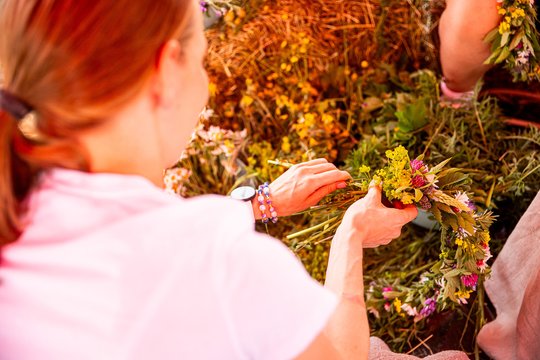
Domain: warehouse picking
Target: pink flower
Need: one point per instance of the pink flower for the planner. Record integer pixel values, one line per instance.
(470, 281)
(417, 164)
(418, 181)
(386, 290)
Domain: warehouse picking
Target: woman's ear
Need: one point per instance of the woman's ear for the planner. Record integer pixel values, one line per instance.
(167, 77)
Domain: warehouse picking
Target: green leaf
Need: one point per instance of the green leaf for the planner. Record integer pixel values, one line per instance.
(504, 38)
(412, 117)
(436, 213)
(444, 208)
(516, 40)
(452, 273)
(453, 223)
(372, 103)
(418, 195)
(439, 166)
(452, 179)
(494, 55)
(491, 36)
(503, 55)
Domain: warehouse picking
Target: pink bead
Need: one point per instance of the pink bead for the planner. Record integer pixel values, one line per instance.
(262, 208)
(274, 214)
(260, 198)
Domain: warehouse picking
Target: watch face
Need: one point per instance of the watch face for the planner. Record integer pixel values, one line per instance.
(244, 193)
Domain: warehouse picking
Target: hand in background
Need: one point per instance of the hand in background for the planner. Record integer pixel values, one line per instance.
(304, 185)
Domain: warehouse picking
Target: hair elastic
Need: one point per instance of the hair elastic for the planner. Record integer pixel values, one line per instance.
(13, 105)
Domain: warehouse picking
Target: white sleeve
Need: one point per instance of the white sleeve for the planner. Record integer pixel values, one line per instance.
(275, 309)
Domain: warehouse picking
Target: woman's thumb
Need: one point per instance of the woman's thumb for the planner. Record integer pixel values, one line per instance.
(374, 194)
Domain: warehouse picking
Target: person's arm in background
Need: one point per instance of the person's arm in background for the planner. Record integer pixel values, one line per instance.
(463, 26)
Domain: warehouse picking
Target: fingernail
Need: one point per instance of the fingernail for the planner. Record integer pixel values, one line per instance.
(341, 185)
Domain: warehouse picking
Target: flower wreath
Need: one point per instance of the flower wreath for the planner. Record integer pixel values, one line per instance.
(515, 41)
(440, 191)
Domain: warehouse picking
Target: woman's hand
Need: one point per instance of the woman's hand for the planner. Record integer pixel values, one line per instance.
(374, 223)
(304, 185)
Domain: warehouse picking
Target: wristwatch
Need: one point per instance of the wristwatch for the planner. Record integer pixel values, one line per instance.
(244, 193)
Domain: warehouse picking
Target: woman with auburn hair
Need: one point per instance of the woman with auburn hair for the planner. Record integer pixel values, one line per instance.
(97, 262)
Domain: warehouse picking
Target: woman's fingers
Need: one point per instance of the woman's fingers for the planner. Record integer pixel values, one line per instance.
(319, 168)
(321, 192)
(312, 162)
(326, 178)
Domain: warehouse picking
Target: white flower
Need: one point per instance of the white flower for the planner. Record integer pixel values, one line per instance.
(411, 311)
(523, 56)
(206, 114)
(375, 312)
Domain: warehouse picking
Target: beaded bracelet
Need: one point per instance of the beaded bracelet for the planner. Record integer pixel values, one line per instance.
(265, 203)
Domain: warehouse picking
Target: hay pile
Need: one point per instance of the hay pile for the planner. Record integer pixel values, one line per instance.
(327, 37)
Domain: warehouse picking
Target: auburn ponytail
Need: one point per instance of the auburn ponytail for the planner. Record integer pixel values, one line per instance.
(76, 63)
(14, 178)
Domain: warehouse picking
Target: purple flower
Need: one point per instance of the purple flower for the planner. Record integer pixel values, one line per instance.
(471, 205)
(416, 164)
(470, 281)
(204, 6)
(385, 290)
(429, 307)
(418, 181)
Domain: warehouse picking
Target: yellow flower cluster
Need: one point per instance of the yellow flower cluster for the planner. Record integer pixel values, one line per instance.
(461, 243)
(397, 305)
(295, 51)
(463, 294)
(397, 176)
(513, 16)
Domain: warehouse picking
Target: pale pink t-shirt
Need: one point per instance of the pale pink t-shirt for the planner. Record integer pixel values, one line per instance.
(111, 267)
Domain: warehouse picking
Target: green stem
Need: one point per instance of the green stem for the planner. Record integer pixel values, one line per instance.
(311, 229)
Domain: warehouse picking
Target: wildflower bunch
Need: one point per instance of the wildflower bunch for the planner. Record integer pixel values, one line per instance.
(515, 41)
(209, 161)
(464, 232)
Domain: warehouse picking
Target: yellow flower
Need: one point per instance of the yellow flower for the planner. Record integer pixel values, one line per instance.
(504, 27)
(285, 145)
(485, 237)
(294, 59)
(459, 242)
(246, 101)
(364, 169)
(309, 119)
(212, 89)
(407, 198)
(518, 13)
(364, 64)
(327, 119)
(397, 305)
(463, 295)
(501, 11)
